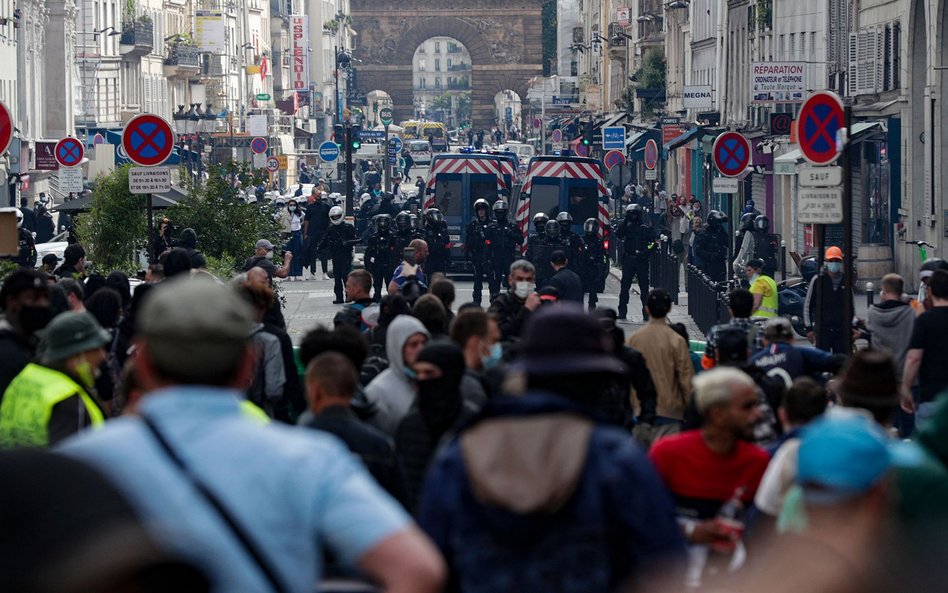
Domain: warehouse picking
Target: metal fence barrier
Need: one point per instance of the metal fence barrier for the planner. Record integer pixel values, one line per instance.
(664, 270)
(707, 300)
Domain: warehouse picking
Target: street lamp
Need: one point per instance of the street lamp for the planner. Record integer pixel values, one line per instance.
(210, 119)
(193, 119)
(180, 121)
(648, 17)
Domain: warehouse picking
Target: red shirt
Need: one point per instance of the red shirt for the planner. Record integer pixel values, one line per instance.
(702, 480)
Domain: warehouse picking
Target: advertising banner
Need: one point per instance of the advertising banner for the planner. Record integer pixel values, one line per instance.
(210, 30)
(778, 82)
(299, 52)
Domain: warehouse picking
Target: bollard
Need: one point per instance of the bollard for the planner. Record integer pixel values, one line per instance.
(869, 294)
(783, 260)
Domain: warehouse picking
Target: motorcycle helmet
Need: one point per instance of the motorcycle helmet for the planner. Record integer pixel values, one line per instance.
(19, 218)
(433, 216)
(747, 221)
(403, 220)
(383, 222)
(930, 266)
(552, 230)
(565, 220)
(336, 215)
(500, 210)
(633, 212)
(591, 226)
(539, 221)
(716, 216)
(481, 204)
(761, 223)
(414, 222)
(808, 268)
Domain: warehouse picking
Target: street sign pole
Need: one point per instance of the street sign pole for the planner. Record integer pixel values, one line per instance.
(349, 187)
(847, 230)
(387, 168)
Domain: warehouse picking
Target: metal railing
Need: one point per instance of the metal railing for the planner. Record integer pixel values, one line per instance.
(663, 270)
(707, 299)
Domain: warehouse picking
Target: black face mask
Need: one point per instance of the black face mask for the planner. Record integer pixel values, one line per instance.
(439, 402)
(32, 318)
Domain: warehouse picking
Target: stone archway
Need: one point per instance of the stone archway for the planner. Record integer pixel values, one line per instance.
(504, 43)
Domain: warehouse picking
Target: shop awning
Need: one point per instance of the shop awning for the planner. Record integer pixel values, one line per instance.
(633, 139)
(786, 164)
(612, 120)
(861, 130)
(678, 141)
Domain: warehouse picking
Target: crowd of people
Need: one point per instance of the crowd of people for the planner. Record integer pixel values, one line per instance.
(426, 445)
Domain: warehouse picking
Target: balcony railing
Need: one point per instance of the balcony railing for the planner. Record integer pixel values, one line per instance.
(459, 67)
(137, 39)
(182, 60)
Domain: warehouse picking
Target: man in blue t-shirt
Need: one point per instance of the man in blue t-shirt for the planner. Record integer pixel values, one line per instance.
(411, 268)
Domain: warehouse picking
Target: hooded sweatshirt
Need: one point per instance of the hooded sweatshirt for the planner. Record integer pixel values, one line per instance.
(891, 324)
(392, 392)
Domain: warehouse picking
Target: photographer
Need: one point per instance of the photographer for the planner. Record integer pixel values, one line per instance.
(263, 258)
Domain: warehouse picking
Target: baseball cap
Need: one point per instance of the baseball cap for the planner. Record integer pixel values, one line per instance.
(564, 340)
(21, 280)
(264, 244)
(833, 253)
(549, 294)
(844, 453)
(756, 263)
(72, 333)
(778, 328)
(188, 337)
(51, 259)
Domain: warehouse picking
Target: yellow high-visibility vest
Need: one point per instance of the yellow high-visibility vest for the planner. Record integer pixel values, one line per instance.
(768, 306)
(28, 405)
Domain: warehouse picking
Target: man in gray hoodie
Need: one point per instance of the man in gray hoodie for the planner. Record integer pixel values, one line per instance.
(891, 321)
(393, 391)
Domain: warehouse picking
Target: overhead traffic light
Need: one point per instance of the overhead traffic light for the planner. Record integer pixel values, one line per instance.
(587, 133)
(339, 135)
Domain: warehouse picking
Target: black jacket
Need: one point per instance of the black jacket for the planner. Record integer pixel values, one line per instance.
(293, 388)
(569, 285)
(15, 354)
(638, 239)
(511, 314)
(338, 241)
(372, 447)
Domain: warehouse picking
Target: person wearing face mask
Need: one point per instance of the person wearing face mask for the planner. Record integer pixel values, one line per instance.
(478, 336)
(263, 258)
(439, 410)
(25, 301)
(50, 401)
(515, 306)
(763, 288)
(831, 286)
(292, 221)
(392, 392)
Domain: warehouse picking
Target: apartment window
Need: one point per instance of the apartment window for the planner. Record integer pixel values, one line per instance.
(437, 47)
(421, 65)
(803, 46)
(438, 82)
(421, 82)
(437, 64)
(781, 44)
(793, 46)
(449, 63)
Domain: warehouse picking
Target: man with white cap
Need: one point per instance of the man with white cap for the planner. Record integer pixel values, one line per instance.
(263, 258)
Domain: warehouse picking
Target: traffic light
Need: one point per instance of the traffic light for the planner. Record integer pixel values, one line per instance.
(339, 134)
(355, 139)
(587, 133)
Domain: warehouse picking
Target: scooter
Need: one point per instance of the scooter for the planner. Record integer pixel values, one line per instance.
(791, 294)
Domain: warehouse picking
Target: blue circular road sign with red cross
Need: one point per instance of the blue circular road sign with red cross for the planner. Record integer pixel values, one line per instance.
(820, 118)
(148, 140)
(731, 152)
(613, 158)
(651, 154)
(259, 145)
(69, 152)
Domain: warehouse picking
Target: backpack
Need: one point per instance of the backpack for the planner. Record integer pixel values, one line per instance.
(374, 364)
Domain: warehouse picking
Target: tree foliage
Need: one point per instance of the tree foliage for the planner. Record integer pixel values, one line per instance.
(652, 73)
(227, 227)
(115, 225)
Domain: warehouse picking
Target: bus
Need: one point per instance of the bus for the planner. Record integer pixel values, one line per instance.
(555, 184)
(455, 182)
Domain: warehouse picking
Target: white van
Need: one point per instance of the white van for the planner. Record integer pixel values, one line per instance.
(420, 151)
(524, 151)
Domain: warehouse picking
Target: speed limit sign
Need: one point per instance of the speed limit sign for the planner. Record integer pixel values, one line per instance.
(273, 164)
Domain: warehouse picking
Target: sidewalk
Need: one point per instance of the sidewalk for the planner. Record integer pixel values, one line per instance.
(678, 314)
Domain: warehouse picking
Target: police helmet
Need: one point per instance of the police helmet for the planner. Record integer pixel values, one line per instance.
(747, 221)
(19, 218)
(761, 223)
(433, 215)
(481, 203)
(633, 212)
(539, 221)
(930, 266)
(336, 215)
(565, 219)
(403, 220)
(552, 230)
(383, 222)
(500, 210)
(591, 226)
(716, 216)
(414, 222)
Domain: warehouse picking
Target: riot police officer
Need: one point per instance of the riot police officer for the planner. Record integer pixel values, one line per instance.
(759, 243)
(572, 239)
(405, 232)
(436, 235)
(538, 238)
(503, 246)
(637, 246)
(595, 265)
(337, 242)
(475, 242)
(541, 253)
(711, 246)
(381, 256)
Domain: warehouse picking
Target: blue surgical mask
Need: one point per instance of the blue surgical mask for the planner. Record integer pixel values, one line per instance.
(410, 373)
(493, 357)
(834, 266)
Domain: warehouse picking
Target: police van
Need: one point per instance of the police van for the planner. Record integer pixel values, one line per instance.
(456, 181)
(554, 184)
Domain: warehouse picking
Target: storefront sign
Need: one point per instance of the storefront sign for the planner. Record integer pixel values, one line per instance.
(697, 97)
(778, 82)
(299, 52)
